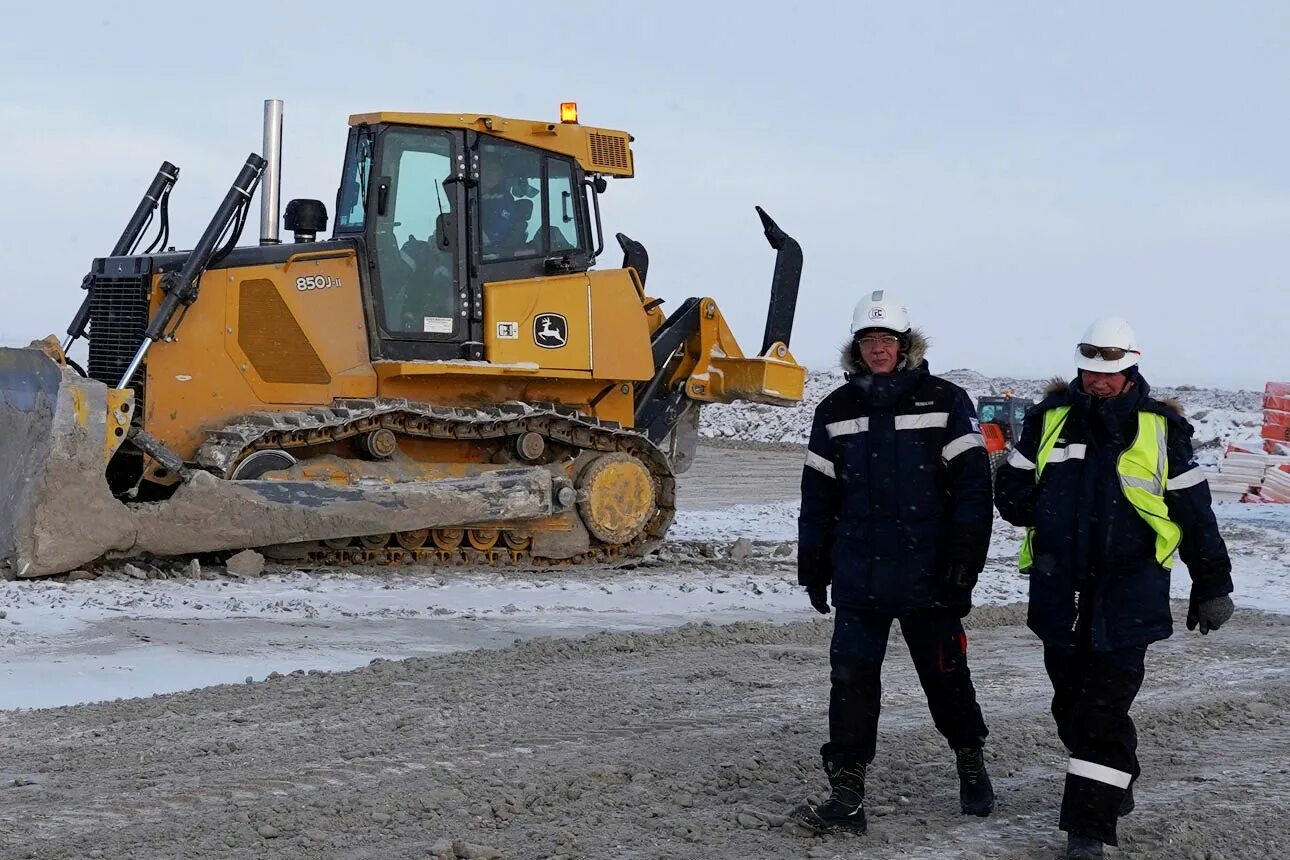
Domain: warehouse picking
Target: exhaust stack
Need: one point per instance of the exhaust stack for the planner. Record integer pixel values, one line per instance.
(271, 185)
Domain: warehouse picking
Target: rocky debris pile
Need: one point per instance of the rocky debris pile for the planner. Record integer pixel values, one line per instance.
(1218, 415)
(243, 565)
(734, 555)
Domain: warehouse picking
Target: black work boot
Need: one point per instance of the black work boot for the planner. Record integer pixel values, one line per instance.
(844, 808)
(976, 794)
(1083, 848)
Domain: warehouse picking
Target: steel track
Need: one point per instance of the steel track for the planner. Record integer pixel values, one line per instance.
(298, 431)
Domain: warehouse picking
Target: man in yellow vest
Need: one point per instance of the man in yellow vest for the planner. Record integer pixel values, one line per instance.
(1105, 482)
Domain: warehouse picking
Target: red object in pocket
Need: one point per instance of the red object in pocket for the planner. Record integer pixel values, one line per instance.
(951, 652)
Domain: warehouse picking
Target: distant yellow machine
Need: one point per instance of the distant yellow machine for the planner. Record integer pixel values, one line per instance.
(446, 379)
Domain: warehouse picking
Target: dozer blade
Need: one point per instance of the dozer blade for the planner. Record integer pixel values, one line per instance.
(57, 512)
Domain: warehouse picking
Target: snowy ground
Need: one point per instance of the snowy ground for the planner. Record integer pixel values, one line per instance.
(674, 745)
(502, 737)
(68, 642)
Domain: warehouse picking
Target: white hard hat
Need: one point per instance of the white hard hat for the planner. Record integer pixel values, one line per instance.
(1116, 346)
(880, 310)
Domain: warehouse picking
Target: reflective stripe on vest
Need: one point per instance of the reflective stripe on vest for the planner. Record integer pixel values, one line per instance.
(1143, 468)
(1144, 475)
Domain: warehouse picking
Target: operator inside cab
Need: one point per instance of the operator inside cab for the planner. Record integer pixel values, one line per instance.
(510, 179)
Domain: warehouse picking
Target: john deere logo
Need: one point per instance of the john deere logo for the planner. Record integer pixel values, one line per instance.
(550, 331)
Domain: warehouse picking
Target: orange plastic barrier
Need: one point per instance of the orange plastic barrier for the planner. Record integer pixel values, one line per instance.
(1276, 416)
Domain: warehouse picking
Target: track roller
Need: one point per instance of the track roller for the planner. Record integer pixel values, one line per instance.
(482, 539)
(516, 541)
(447, 539)
(413, 539)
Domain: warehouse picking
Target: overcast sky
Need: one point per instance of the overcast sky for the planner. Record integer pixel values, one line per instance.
(1012, 169)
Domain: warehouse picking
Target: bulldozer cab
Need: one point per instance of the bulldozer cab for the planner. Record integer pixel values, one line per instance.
(441, 211)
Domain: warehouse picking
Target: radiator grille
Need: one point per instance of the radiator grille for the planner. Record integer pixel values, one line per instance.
(118, 316)
(272, 339)
(609, 150)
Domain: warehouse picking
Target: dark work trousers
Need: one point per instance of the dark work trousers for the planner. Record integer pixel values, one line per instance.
(939, 648)
(1092, 694)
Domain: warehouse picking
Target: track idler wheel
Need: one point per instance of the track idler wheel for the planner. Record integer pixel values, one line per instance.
(616, 497)
(375, 541)
(261, 463)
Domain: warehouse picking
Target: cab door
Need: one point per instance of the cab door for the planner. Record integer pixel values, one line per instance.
(419, 304)
(530, 253)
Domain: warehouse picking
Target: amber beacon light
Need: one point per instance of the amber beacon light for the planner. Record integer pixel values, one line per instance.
(568, 111)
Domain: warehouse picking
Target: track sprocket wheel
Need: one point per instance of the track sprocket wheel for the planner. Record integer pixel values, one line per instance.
(616, 497)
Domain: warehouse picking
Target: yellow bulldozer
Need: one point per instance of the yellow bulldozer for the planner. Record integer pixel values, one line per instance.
(448, 379)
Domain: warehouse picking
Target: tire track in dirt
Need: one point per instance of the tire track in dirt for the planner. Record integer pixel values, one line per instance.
(680, 744)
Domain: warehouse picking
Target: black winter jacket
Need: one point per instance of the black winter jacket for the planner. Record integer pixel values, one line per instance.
(1095, 574)
(896, 487)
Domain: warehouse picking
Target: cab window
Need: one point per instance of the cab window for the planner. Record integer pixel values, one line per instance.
(562, 222)
(528, 204)
(351, 202)
(510, 189)
(415, 251)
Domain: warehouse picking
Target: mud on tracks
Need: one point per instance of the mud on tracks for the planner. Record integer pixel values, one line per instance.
(682, 744)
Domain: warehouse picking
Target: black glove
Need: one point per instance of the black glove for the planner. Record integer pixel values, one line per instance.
(1209, 614)
(819, 597)
(965, 554)
(958, 581)
(959, 577)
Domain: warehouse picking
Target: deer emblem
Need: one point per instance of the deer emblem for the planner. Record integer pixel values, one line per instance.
(550, 330)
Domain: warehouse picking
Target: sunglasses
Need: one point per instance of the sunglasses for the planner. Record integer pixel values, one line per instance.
(1105, 353)
(873, 340)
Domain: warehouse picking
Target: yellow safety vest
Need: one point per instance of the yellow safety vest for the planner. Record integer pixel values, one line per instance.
(1144, 472)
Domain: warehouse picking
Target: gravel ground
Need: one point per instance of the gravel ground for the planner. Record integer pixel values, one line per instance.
(690, 743)
(727, 472)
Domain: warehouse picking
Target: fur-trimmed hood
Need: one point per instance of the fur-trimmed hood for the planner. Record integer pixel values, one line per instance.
(854, 365)
(1057, 386)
